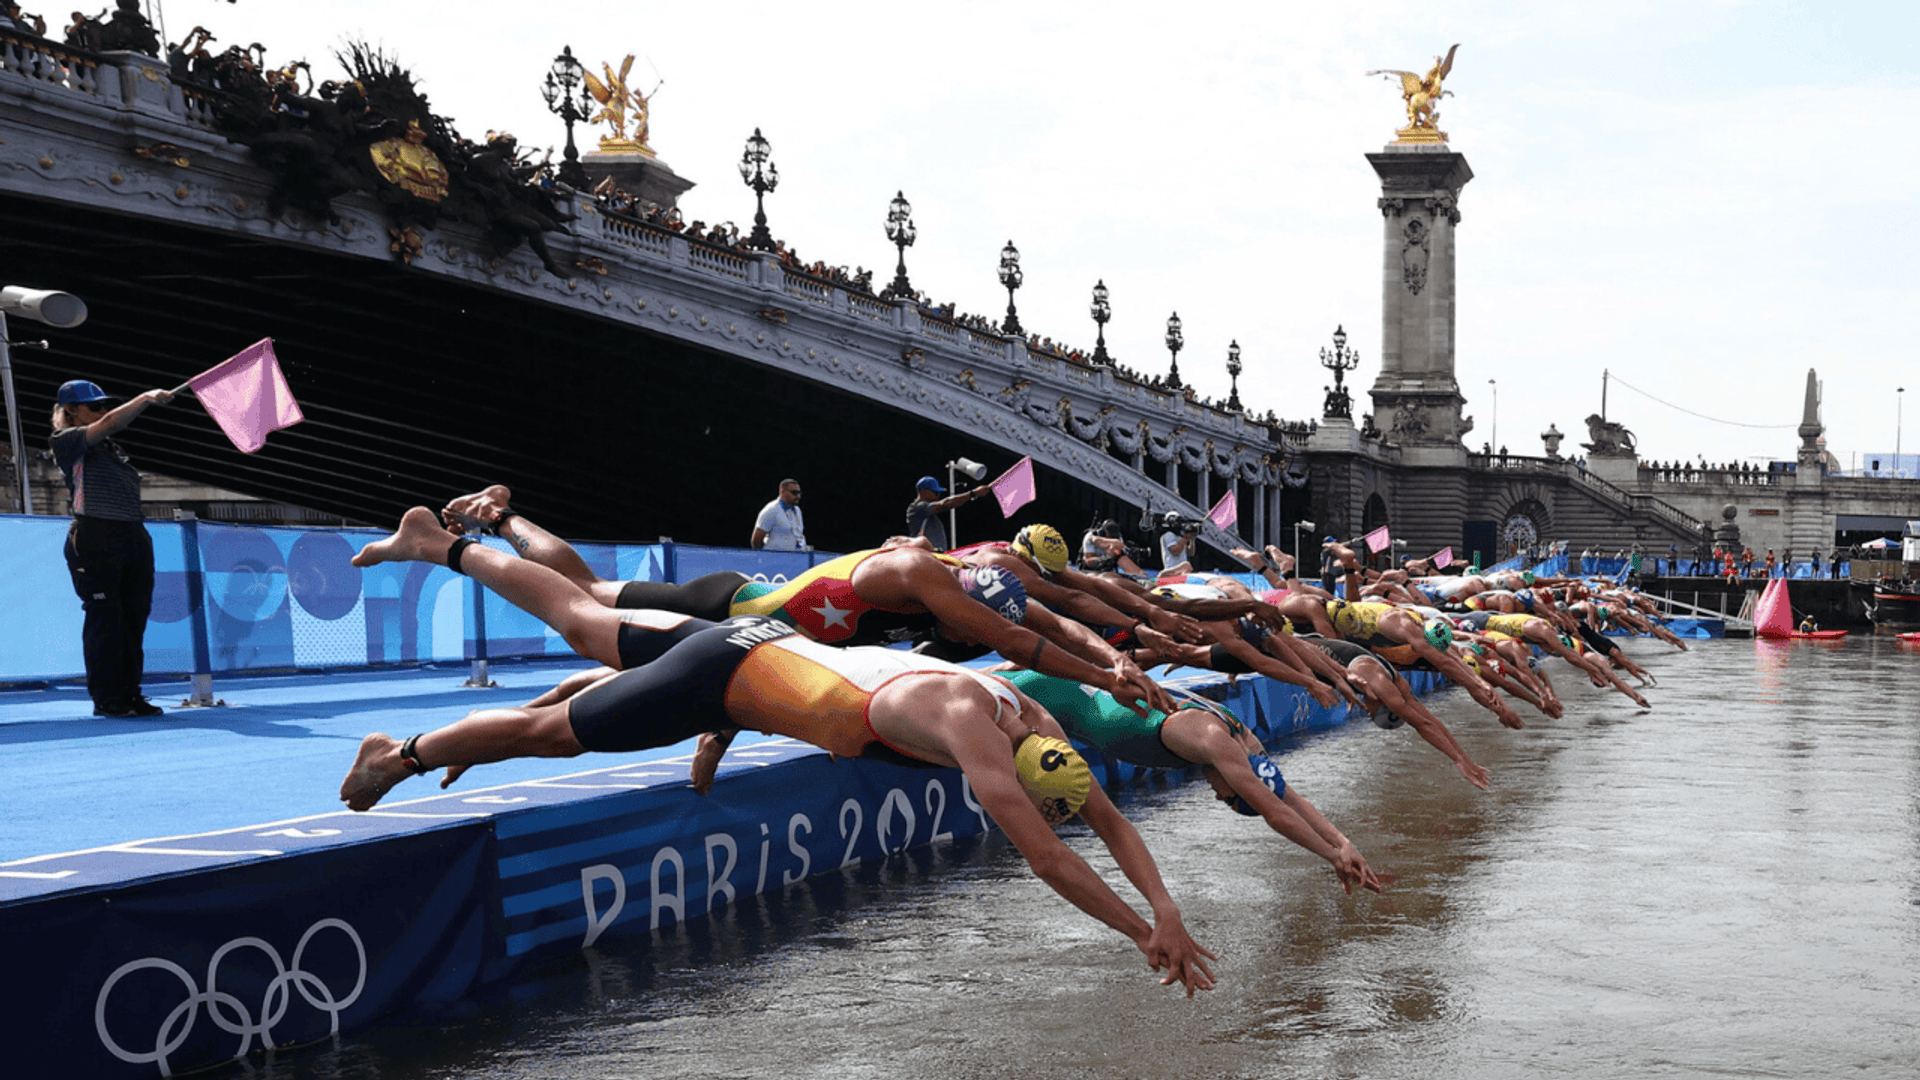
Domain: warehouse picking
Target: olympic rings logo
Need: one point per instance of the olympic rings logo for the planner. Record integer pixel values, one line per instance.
(228, 1012)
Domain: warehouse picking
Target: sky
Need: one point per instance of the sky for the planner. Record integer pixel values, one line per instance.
(1682, 207)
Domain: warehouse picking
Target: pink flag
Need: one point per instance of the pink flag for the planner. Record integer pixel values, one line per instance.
(1226, 511)
(1377, 540)
(1443, 558)
(248, 396)
(1014, 488)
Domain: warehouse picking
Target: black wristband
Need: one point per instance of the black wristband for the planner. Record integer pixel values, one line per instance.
(1038, 647)
(494, 529)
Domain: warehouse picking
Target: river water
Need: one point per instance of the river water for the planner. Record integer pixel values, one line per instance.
(1727, 885)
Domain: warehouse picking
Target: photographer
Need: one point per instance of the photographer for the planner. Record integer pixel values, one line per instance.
(1102, 550)
(1177, 542)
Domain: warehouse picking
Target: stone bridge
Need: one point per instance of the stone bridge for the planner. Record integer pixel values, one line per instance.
(665, 370)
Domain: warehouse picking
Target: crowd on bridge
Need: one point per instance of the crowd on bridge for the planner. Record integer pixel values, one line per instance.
(866, 655)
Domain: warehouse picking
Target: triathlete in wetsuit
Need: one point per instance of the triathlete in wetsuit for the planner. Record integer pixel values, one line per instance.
(1204, 734)
(757, 672)
(899, 581)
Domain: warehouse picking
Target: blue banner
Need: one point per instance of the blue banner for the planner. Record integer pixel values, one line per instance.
(183, 972)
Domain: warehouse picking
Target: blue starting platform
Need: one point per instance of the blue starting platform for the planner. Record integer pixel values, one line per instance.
(149, 932)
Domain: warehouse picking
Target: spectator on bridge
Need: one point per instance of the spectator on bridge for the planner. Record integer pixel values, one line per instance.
(781, 526)
(923, 514)
(109, 554)
(1746, 562)
(1771, 562)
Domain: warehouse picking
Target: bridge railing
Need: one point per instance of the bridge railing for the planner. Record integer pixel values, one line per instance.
(54, 64)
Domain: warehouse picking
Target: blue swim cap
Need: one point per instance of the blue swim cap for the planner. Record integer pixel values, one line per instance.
(1252, 631)
(997, 589)
(1268, 774)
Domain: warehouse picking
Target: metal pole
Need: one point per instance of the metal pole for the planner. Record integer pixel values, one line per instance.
(13, 422)
(953, 512)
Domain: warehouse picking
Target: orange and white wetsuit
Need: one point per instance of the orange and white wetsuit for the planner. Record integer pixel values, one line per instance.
(757, 672)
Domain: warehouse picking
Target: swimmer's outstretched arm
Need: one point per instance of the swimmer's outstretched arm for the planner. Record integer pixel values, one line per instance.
(1396, 693)
(986, 757)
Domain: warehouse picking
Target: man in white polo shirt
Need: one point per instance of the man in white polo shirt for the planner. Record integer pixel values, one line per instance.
(780, 526)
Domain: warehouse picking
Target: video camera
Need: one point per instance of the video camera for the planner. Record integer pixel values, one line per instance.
(1173, 522)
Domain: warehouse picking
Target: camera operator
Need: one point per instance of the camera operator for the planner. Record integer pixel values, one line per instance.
(1102, 550)
(1177, 542)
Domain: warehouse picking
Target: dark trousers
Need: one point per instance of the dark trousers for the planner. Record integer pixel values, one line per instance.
(112, 567)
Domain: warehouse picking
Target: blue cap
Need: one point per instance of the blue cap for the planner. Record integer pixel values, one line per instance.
(1267, 773)
(928, 483)
(81, 392)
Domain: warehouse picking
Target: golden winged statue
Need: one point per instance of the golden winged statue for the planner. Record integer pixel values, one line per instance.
(1422, 93)
(616, 100)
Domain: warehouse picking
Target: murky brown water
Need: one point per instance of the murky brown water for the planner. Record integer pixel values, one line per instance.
(1728, 885)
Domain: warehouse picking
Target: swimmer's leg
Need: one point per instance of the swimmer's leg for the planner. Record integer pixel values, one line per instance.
(591, 629)
(492, 507)
(708, 597)
(483, 736)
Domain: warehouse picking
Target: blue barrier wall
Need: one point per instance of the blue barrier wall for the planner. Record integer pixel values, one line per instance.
(262, 599)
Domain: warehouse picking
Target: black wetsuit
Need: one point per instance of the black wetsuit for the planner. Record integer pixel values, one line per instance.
(680, 694)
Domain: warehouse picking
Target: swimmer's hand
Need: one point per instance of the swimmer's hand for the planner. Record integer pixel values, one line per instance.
(706, 759)
(454, 772)
(1175, 625)
(1352, 869)
(1131, 686)
(1268, 616)
(1475, 774)
(1169, 949)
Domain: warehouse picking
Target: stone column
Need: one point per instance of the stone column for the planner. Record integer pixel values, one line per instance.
(1416, 398)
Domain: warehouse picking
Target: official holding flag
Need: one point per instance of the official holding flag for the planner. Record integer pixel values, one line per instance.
(109, 554)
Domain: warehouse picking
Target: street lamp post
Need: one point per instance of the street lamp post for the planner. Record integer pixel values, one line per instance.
(1174, 343)
(1101, 311)
(1339, 405)
(758, 172)
(975, 471)
(563, 77)
(1011, 277)
(63, 310)
(900, 230)
(1233, 372)
(1297, 526)
(1495, 433)
(1899, 403)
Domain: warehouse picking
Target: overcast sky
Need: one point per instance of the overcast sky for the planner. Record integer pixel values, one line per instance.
(1705, 199)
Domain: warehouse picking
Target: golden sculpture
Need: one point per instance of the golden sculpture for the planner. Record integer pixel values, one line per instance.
(1422, 94)
(616, 101)
(406, 161)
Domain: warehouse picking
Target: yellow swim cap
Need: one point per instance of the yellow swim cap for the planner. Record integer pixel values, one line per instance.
(1043, 546)
(1055, 775)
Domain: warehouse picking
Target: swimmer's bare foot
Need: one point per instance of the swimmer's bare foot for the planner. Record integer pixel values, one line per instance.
(418, 539)
(375, 771)
(469, 514)
(706, 758)
(1281, 561)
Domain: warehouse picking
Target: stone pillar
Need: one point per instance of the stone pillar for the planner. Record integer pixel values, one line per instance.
(1416, 399)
